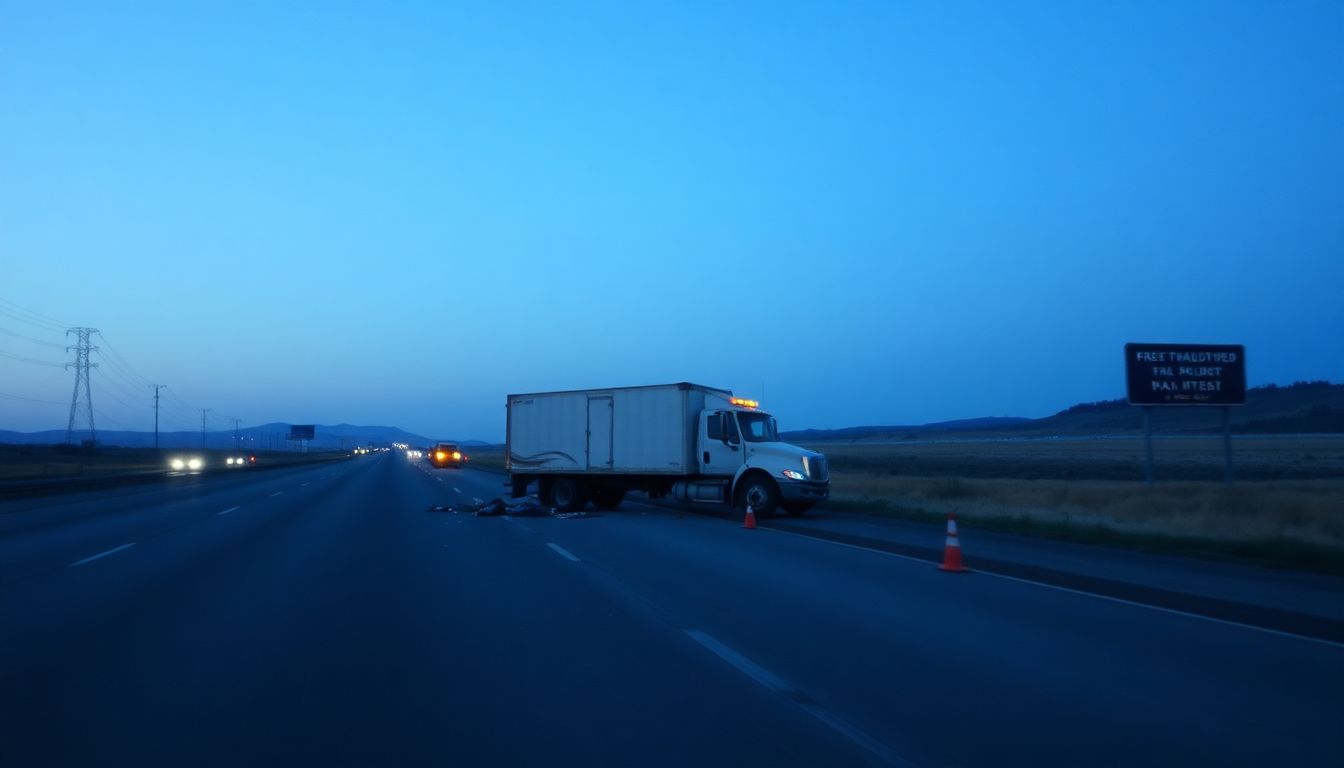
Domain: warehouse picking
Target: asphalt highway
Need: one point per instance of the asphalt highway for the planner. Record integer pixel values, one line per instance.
(322, 615)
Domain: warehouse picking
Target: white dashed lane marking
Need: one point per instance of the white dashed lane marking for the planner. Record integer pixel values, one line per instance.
(111, 551)
(565, 553)
(227, 511)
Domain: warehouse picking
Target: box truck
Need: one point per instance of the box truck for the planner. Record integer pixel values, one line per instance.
(685, 441)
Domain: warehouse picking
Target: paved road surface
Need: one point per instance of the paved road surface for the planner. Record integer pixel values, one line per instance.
(322, 615)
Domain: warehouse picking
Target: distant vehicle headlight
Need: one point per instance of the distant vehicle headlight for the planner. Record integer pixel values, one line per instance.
(229, 460)
(195, 463)
(792, 475)
(177, 464)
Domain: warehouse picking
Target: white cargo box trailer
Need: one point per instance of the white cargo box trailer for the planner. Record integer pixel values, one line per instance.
(629, 429)
(691, 441)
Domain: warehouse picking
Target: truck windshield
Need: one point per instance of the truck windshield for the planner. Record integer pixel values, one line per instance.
(758, 427)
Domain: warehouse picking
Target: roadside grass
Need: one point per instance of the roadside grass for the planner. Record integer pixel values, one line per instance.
(1288, 523)
(489, 458)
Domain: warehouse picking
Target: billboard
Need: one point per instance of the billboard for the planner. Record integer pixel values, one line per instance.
(1185, 374)
(302, 431)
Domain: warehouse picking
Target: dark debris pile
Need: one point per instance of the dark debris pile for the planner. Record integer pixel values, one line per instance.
(526, 507)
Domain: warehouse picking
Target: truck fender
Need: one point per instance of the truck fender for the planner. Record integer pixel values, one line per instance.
(742, 470)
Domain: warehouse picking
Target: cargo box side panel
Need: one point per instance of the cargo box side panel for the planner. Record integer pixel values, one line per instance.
(649, 434)
(548, 433)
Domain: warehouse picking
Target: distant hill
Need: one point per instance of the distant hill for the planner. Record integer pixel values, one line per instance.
(1303, 407)
(902, 432)
(263, 437)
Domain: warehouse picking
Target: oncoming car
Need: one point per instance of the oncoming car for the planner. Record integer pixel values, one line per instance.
(446, 455)
(186, 463)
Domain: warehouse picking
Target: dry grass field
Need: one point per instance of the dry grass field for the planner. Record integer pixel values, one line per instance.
(1289, 495)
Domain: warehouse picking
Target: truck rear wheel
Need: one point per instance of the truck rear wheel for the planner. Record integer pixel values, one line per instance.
(760, 493)
(568, 495)
(607, 498)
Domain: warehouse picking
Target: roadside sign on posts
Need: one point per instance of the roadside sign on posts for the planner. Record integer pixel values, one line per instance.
(1186, 374)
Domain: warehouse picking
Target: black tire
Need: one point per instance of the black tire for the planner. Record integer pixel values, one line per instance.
(607, 498)
(797, 510)
(761, 493)
(544, 492)
(568, 495)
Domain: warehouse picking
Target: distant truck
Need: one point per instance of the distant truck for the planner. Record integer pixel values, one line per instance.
(686, 441)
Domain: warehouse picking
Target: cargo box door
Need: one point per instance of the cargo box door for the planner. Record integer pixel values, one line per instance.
(599, 432)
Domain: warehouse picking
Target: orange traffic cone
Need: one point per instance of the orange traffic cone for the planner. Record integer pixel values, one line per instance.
(952, 549)
(750, 521)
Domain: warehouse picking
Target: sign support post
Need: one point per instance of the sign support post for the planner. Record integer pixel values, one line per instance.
(1148, 444)
(1189, 375)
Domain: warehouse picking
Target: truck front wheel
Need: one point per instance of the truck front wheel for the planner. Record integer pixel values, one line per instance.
(760, 493)
(568, 495)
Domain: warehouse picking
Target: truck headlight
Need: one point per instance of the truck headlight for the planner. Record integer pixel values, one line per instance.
(792, 475)
(177, 464)
(195, 463)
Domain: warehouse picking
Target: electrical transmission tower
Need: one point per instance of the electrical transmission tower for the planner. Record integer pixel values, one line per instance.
(81, 365)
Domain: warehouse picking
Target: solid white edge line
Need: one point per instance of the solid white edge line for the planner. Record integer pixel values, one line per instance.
(227, 511)
(562, 551)
(111, 551)
(1083, 593)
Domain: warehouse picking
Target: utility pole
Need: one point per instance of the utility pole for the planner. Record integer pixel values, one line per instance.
(156, 388)
(237, 444)
(82, 348)
(203, 412)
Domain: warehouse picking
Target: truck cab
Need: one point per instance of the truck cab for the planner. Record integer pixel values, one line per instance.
(738, 440)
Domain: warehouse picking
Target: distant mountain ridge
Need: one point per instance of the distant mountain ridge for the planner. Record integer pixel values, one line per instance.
(262, 437)
(1306, 407)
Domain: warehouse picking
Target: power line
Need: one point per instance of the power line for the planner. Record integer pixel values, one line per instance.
(122, 360)
(38, 315)
(108, 393)
(30, 399)
(8, 332)
(20, 358)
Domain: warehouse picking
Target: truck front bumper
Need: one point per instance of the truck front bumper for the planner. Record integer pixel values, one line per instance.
(805, 492)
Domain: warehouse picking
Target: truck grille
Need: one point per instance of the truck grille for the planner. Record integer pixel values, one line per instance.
(817, 471)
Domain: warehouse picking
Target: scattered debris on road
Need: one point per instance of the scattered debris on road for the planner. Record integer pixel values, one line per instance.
(527, 507)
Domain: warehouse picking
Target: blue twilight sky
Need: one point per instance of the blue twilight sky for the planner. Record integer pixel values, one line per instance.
(863, 213)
